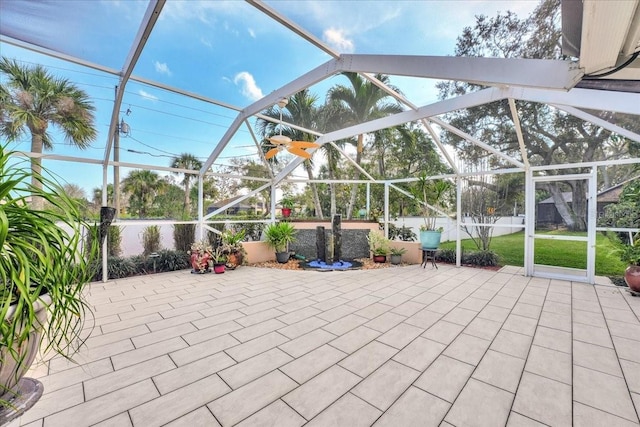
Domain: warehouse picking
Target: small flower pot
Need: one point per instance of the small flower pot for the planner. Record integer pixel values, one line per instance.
(218, 268)
(282, 257)
(396, 259)
(380, 258)
(286, 212)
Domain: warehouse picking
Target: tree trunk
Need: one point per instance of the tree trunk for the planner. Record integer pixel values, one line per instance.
(579, 205)
(314, 191)
(36, 169)
(562, 206)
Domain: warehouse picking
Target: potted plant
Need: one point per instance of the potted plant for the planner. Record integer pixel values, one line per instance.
(378, 245)
(396, 255)
(630, 255)
(219, 260)
(44, 269)
(432, 196)
(201, 256)
(278, 236)
(286, 204)
(232, 248)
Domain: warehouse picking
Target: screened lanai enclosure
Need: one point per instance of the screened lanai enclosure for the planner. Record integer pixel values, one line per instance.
(552, 108)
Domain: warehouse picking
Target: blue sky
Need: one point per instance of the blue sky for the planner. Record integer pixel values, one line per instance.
(227, 51)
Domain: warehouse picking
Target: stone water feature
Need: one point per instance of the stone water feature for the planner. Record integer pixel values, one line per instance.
(334, 261)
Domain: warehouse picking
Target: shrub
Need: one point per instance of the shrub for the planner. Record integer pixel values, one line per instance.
(151, 239)
(482, 258)
(114, 240)
(119, 267)
(183, 236)
(172, 260)
(446, 255)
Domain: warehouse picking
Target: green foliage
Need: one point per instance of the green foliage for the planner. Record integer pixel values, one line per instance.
(114, 239)
(446, 255)
(172, 260)
(151, 239)
(279, 235)
(183, 236)
(481, 258)
(41, 253)
(287, 202)
(378, 244)
(433, 196)
(403, 233)
(397, 251)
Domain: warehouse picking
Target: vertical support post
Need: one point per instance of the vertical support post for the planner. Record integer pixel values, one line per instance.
(273, 203)
(116, 168)
(200, 206)
(386, 209)
(592, 213)
(105, 254)
(368, 199)
(530, 221)
(458, 221)
(336, 229)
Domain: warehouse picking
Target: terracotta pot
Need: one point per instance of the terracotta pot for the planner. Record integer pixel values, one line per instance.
(632, 277)
(379, 258)
(234, 260)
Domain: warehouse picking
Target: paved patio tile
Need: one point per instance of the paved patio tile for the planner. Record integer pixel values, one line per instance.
(584, 415)
(347, 411)
(115, 380)
(105, 406)
(312, 363)
(467, 348)
(400, 335)
(239, 404)
(480, 404)
(543, 400)
(190, 373)
(549, 363)
(250, 369)
(517, 420)
(276, 414)
(500, 370)
(597, 358)
(602, 391)
(354, 339)
(445, 378)
(255, 346)
(420, 353)
(367, 337)
(414, 408)
(386, 384)
(368, 358)
(512, 343)
(315, 395)
(179, 402)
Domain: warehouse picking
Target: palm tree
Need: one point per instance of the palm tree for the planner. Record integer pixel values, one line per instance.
(301, 110)
(97, 195)
(363, 101)
(143, 186)
(186, 161)
(31, 100)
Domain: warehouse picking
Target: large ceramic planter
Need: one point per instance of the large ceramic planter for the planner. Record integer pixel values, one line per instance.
(282, 257)
(632, 277)
(11, 372)
(430, 239)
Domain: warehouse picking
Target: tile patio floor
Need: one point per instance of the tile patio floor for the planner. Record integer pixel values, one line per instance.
(392, 347)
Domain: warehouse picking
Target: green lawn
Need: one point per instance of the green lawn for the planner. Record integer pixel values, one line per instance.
(510, 248)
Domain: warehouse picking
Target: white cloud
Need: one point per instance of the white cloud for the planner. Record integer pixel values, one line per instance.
(338, 40)
(162, 68)
(248, 85)
(252, 33)
(206, 42)
(147, 95)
